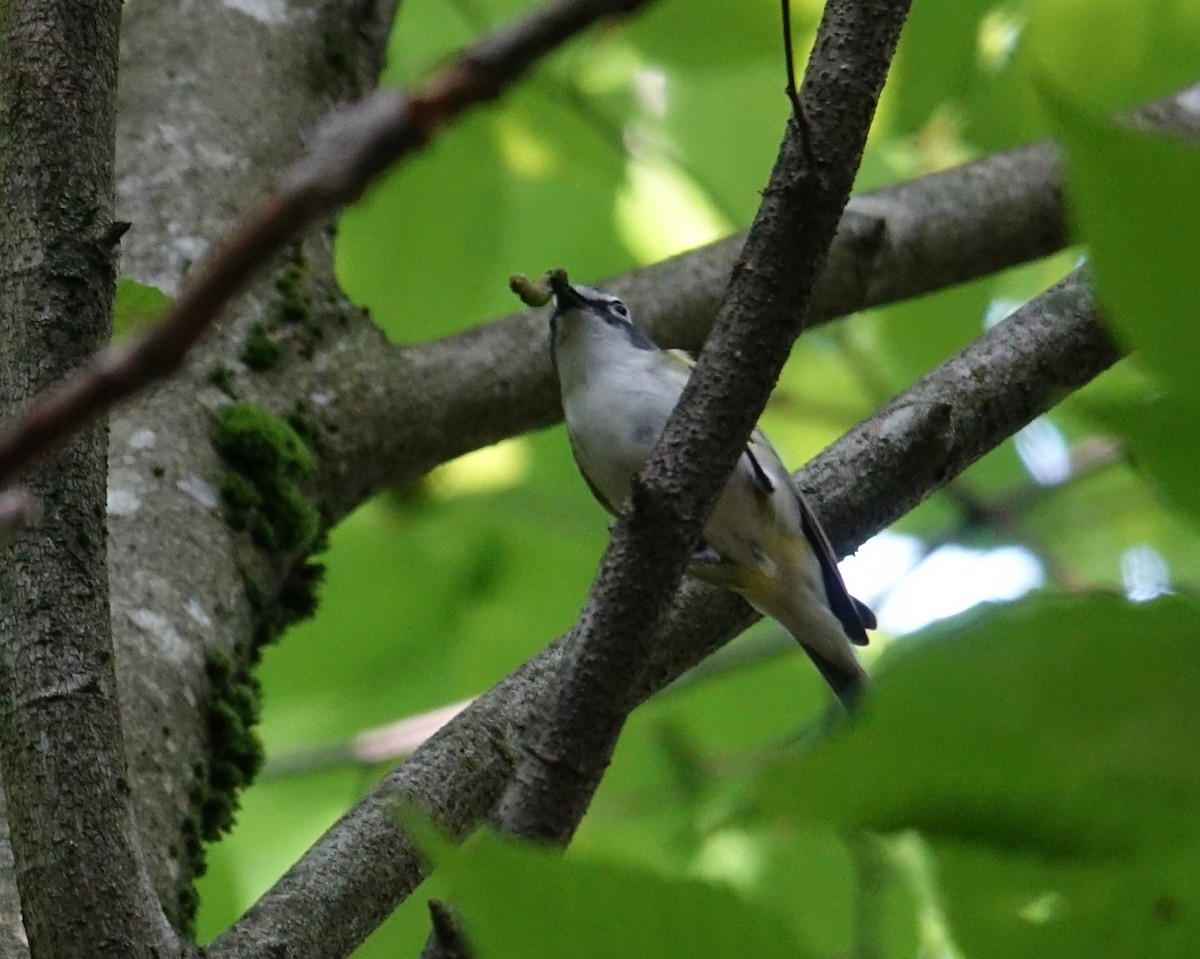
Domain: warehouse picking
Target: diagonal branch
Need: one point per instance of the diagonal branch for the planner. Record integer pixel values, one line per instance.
(494, 381)
(761, 316)
(902, 241)
(354, 146)
(365, 865)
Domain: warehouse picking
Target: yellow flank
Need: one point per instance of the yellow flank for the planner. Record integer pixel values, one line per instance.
(781, 569)
(753, 582)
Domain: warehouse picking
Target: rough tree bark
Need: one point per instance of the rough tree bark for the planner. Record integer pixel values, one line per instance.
(205, 121)
(62, 753)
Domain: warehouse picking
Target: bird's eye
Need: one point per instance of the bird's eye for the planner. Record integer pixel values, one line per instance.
(619, 308)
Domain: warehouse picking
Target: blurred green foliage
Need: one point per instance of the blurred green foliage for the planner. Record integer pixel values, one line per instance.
(554, 908)
(1059, 807)
(1025, 781)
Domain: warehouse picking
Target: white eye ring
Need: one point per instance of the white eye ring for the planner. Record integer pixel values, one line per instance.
(619, 308)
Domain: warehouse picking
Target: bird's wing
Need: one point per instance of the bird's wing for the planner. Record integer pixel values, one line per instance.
(769, 473)
(763, 462)
(595, 491)
(856, 618)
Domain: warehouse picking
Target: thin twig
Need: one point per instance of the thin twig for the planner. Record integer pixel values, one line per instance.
(789, 58)
(446, 941)
(370, 747)
(352, 147)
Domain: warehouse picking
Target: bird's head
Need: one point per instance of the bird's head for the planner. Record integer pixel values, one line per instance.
(595, 304)
(583, 315)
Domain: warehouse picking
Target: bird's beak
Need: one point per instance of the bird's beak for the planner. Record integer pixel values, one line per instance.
(565, 295)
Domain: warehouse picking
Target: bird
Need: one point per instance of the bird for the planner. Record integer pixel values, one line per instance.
(762, 541)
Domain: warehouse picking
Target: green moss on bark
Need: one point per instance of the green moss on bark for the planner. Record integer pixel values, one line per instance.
(235, 756)
(222, 378)
(235, 751)
(267, 458)
(298, 318)
(294, 305)
(259, 350)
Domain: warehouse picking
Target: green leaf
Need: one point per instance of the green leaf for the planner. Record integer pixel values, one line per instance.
(391, 613)
(137, 305)
(916, 335)
(1157, 435)
(689, 35)
(420, 250)
(936, 60)
(666, 756)
(1008, 906)
(562, 161)
(729, 169)
(1062, 727)
(523, 901)
(1112, 54)
(844, 892)
(1134, 519)
(1135, 200)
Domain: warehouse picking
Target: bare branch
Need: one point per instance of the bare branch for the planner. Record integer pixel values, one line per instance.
(789, 58)
(495, 381)
(365, 865)
(354, 146)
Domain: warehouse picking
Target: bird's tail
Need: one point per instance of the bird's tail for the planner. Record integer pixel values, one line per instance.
(793, 602)
(847, 684)
(823, 638)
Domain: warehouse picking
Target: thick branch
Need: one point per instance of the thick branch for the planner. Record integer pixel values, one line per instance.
(761, 316)
(366, 865)
(204, 122)
(180, 127)
(902, 241)
(182, 601)
(83, 889)
(494, 381)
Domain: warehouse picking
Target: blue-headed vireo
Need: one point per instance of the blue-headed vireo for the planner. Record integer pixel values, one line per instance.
(762, 540)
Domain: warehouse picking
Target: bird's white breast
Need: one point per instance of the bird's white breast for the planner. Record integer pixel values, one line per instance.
(617, 399)
(615, 413)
